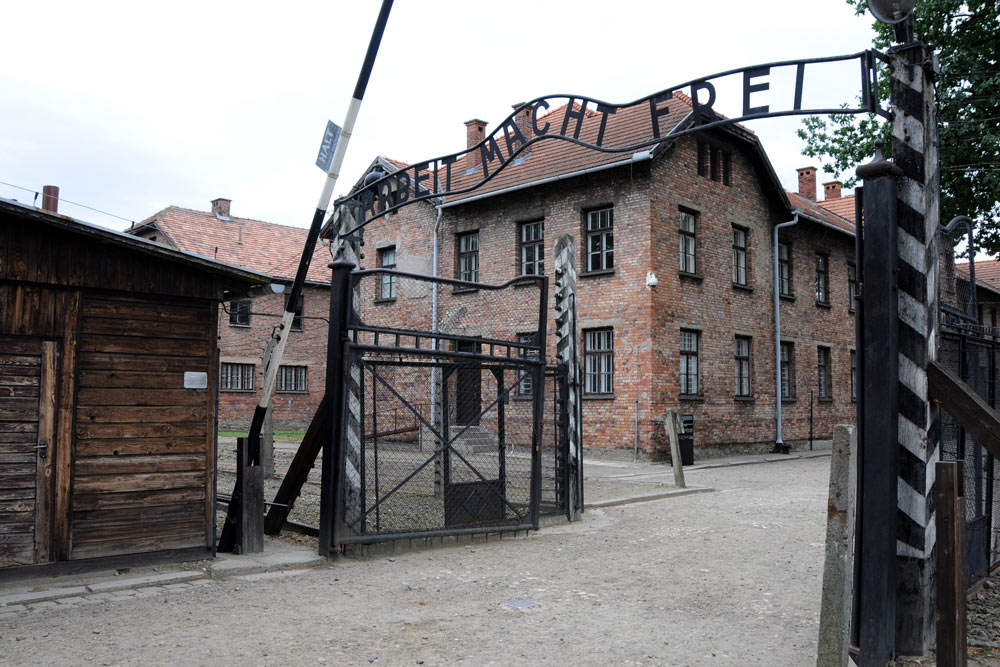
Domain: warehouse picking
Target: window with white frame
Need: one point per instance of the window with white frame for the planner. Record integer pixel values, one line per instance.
(600, 240)
(688, 241)
(852, 286)
(689, 345)
(387, 282)
(524, 382)
(742, 359)
(532, 248)
(236, 377)
(599, 361)
(822, 278)
(823, 373)
(787, 370)
(291, 378)
(784, 269)
(468, 257)
(740, 248)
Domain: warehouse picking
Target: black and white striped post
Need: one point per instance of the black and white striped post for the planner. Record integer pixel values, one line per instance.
(900, 427)
(280, 334)
(566, 351)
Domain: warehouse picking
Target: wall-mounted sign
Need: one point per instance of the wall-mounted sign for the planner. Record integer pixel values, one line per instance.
(563, 117)
(195, 380)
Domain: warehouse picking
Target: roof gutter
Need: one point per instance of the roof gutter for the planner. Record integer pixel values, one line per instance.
(800, 212)
(636, 157)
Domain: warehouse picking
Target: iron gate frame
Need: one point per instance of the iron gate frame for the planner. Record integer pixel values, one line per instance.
(346, 345)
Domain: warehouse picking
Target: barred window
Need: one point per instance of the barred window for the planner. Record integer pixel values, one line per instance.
(468, 257)
(387, 283)
(600, 240)
(291, 378)
(236, 377)
(599, 361)
(533, 248)
(784, 269)
(739, 256)
(689, 362)
(742, 356)
(823, 372)
(788, 370)
(239, 313)
(688, 242)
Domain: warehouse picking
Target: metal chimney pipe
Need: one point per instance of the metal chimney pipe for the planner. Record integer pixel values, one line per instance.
(50, 198)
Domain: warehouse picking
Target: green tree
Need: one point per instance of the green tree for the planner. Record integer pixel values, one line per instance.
(965, 35)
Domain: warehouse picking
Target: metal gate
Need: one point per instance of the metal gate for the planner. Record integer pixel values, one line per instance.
(444, 393)
(971, 351)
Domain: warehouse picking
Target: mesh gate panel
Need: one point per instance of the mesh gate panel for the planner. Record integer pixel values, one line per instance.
(446, 409)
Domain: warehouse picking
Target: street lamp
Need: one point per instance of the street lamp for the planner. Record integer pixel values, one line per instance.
(890, 11)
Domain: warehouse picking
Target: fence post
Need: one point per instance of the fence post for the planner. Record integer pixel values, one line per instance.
(838, 568)
(671, 422)
(950, 524)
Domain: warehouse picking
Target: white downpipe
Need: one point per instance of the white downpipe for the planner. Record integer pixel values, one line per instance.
(434, 305)
(777, 330)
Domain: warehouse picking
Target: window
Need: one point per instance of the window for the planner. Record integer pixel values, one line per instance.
(524, 382)
(239, 313)
(689, 362)
(787, 370)
(742, 354)
(533, 248)
(823, 372)
(822, 279)
(784, 269)
(468, 257)
(854, 375)
(291, 378)
(688, 242)
(600, 240)
(714, 163)
(299, 308)
(599, 361)
(739, 256)
(387, 283)
(236, 377)
(852, 286)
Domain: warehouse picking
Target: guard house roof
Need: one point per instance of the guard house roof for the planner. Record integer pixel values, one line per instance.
(66, 225)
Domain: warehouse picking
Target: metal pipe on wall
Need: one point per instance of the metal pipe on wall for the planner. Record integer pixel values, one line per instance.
(779, 444)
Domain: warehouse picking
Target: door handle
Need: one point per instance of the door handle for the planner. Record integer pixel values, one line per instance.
(42, 448)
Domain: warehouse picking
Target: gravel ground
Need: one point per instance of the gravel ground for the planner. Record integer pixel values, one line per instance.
(731, 577)
(725, 578)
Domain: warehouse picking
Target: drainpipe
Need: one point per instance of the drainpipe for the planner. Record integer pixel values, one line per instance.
(779, 444)
(434, 303)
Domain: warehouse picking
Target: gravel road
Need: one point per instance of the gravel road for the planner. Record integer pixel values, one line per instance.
(730, 577)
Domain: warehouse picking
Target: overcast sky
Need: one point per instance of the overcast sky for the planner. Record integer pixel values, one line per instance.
(131, 107)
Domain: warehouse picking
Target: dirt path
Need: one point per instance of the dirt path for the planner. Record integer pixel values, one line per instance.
(724, 578)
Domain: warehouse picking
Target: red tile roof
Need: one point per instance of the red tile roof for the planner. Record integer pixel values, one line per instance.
(256, 245)
(987, 272)
(842, 206)
(557, 157)
(819, 213)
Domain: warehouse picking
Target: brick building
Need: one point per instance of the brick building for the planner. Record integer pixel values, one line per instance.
(675, 304)
(245, 326)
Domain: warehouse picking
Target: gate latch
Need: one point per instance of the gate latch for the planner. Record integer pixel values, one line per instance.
(42, 449)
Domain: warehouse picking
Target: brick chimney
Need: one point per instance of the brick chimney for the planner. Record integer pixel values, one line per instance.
(831, 190)
(220, 207)
(807, 182)
(50, 198)
(475, 131)
(522, 116)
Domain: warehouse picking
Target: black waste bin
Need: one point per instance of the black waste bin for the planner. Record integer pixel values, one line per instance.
(686, 442)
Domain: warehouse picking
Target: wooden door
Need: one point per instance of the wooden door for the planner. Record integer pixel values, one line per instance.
(27, 430)
(468, 392)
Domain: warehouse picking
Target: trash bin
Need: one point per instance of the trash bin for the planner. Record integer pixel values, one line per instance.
(686, 443)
